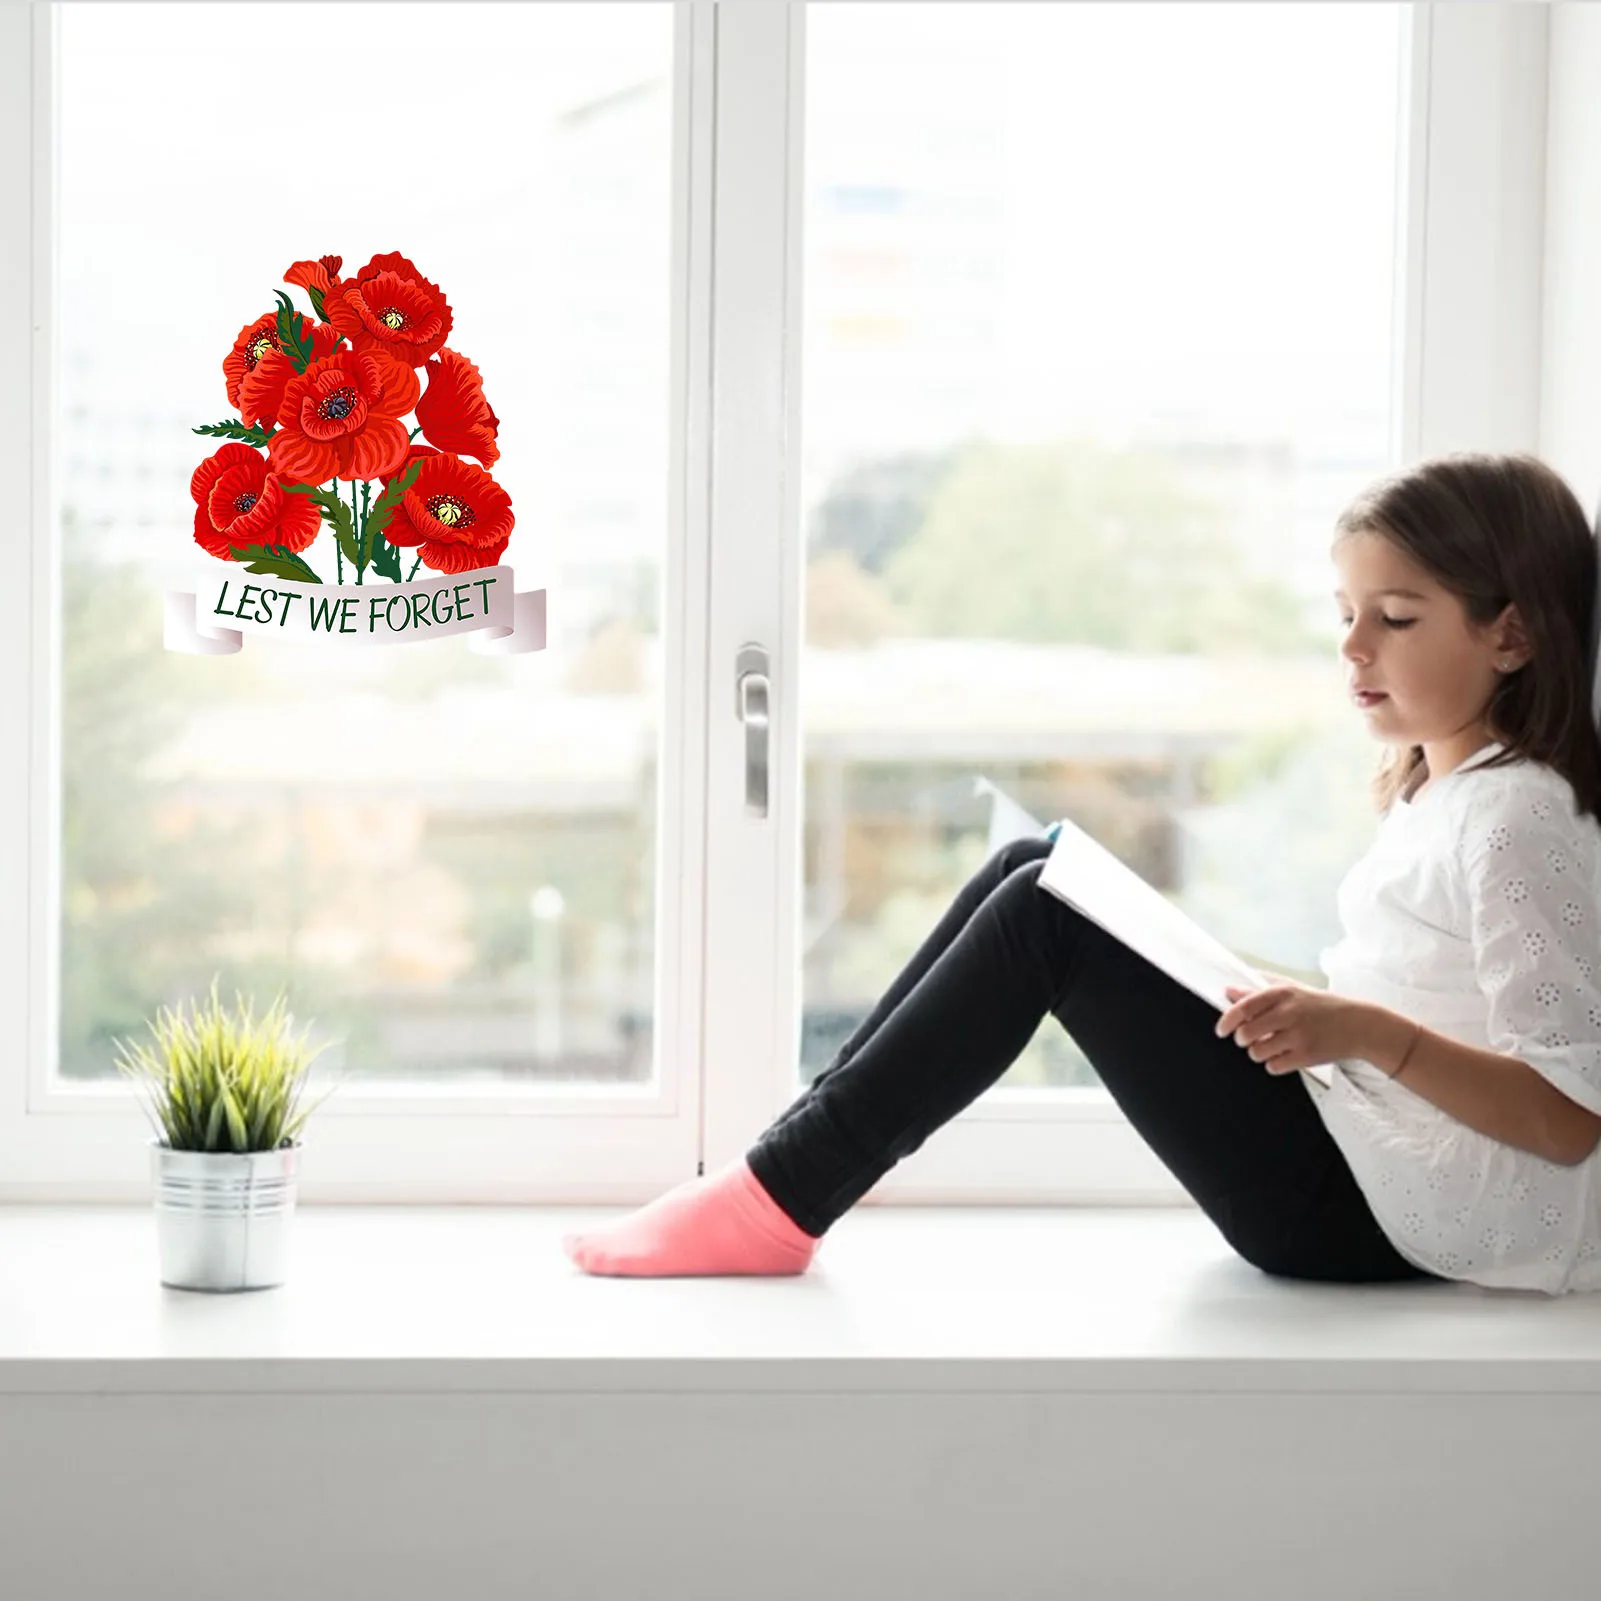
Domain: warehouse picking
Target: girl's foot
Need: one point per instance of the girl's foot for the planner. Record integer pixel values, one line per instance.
(723, 1223)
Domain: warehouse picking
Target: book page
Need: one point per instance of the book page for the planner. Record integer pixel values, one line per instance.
(1088, 877)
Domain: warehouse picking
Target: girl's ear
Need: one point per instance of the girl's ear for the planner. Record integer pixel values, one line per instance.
(1508, 636)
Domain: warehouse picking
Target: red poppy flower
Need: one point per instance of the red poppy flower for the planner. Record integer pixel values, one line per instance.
(321, 274)
(455, 511)
(257, 369)
(453, 412)
(387, 306)
(239, 502)
(340, 418)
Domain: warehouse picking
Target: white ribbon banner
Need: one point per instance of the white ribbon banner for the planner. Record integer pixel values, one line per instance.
(213, 618)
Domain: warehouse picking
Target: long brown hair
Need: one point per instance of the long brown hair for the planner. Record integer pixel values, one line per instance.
(1493, 530)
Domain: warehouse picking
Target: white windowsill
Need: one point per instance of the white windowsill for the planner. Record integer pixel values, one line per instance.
(899, 1298)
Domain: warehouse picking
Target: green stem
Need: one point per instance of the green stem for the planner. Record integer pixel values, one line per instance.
(361, 566)
(339, 558)
(414, 566)
(413, 434)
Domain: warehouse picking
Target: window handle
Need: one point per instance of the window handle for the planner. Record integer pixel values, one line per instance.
(750, 704)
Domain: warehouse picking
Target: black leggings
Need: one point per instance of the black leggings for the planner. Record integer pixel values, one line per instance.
(1247, 1144)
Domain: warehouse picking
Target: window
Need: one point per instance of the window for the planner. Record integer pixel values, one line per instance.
(1051, 360)
(1081, 515)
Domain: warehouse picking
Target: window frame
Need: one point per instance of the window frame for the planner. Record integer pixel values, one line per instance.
(1466, 314)
(1468, 309)
(599, 1143)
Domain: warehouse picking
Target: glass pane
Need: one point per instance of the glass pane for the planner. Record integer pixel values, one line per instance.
(448, 858)
(1097, 344)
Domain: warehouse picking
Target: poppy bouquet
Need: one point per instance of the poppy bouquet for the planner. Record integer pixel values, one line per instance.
(323, 401)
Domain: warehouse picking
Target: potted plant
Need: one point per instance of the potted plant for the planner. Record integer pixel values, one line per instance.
(224, 1089)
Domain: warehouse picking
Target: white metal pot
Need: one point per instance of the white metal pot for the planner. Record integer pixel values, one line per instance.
(223, 1217)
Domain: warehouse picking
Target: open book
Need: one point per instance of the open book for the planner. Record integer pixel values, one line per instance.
(1091, 879)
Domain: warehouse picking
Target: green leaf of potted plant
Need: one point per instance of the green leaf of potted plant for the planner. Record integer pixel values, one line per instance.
(224, 1090)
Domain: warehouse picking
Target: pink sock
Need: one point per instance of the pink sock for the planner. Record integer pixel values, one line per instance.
(723, 1223)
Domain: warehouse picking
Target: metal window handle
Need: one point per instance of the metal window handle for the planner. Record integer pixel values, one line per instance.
(750, 704)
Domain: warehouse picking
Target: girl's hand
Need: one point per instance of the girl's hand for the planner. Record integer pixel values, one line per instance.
(1288, 1026)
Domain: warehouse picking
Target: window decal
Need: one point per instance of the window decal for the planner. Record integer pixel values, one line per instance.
(320, 441)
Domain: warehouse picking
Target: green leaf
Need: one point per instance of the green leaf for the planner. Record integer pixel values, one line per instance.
(328, 499)
(316, 302)
(345, 533)
(237, 1127)
(256, 435)
(378, 517)
(258, 1127)
(296, 348)
(278, 561)
(213, 1126)
(386, 560)
(335, 513)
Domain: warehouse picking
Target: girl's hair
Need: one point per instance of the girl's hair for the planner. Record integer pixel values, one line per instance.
(1494, 529)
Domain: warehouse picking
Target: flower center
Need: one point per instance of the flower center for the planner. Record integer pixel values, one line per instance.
(338, 405)
(245, 502)
(393, 317)
(450, 512)
(259, 346)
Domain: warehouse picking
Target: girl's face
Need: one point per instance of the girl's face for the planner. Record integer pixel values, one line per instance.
(1411, 641)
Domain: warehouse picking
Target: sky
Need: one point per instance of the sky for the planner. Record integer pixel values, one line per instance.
(1198, 202)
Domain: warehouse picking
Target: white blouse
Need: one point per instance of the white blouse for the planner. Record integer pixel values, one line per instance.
(1475, 912)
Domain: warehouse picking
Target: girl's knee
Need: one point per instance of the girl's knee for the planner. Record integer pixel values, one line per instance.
(1033, 915)
(1018, 853)
(1021, 886)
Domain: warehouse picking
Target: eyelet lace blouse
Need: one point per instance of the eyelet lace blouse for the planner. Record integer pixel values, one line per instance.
(1475, 912)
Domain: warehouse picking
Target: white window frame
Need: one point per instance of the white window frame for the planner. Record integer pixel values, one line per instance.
(597, 1144)
(1470, 318)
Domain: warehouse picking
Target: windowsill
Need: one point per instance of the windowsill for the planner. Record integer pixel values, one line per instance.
(899, 1298)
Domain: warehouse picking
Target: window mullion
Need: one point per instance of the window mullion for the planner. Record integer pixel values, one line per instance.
(1475, 226)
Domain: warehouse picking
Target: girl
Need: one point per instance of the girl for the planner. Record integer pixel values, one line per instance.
(1463, 1010)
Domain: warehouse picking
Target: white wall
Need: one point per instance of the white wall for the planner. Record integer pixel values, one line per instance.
(685, 1496)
